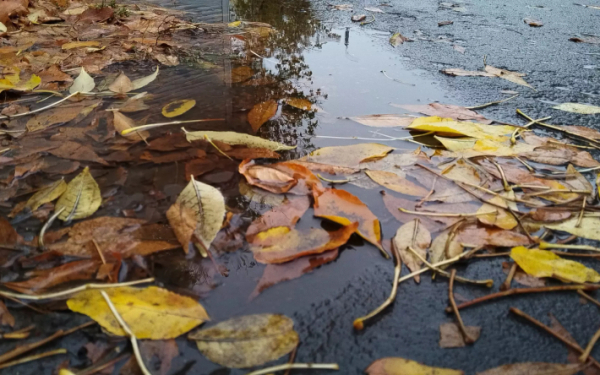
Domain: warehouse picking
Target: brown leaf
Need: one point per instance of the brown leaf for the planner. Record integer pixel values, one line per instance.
(533, 23)
(8, 234)
(63, 114)
(549, 215)
(164, 350)
(455, 112)
(9, 8)
(582, 131)
(95, 15)
(76, 151)
(452, 337)
(276, 273)
(241, 74)
(54, 74)
(392, 204)
(121, 85)
(261, 113)
(550, 155)
(586, 39)
(445, 23)
(169, 142)
(6, 318)
(281, 177)
(481, 236)
(286, 215)
(252, 153)
(326, 168)
(397, 182)
(414, 235)
(162, 158)
(122, 122)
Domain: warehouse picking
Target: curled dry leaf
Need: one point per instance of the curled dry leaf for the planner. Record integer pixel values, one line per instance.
(197, 215)
(83, 83)
(81, 198)
(261, 113)
(451, 337)
(534, 368)
(151, 313)
(358, 18)
(285, 215)
(401, 366)
(414, 235)
(280, 244)
(514, 77)
(247, 341)
(121, 85)
(47, 194)
(397, 182)
(542, 263)
(384, 121)
(348, 156)
(178, 107)
(233, 138)
(122, 122)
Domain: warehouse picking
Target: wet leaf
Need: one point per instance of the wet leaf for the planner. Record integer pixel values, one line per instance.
(445, 23)
(457, 72)
(6, 318)
(550, 155)
(412, 234)
(534, 368)
(397, 182)
(455, 112)
(261, 113)
(499, 217)
(247, 341)
(397, 39)
(121, 85)
(252, 153)
(281, 244)
(392, 204)
(533, 23)
(144, 81)
(549, 215)
(81, 198)
(285, 177)
(83, 83)
(444, 246)
(151, 313)
(589, 227)
(583, 109)
(523, 278)
(47, 194)
(285, 215)
(348, 156)
(481, 236)
(89, 43)
(8, 234)
(299, 103)
(384, 121)
(452, 337)
(514, 77)
(241, 73)
(76, 151)
(586, 39)
(447, 126)
(401, 366)
(178, 107)
(64, 113)
(542, 263)
(122, 122)
(78, 270)
(233, 138)
(197, 215)
(344, 208)
(374, 10)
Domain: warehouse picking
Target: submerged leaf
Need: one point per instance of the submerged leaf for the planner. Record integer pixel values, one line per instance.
(285, 177)
(542, 263)
(178, 107)
(584, 109)
(122, 122)
(78, 270)
(285, 215)
(397, 39)
(151, 313)
(414, 235)
(261, 113)
(81, 198)
(397, 182)
(247, 341)
(233, 138)
(47, 194)
(401, 366)
(348, 156)
(121, 85)
(83, 83)
(534, 368)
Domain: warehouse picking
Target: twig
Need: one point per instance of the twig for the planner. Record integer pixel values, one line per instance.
(444, 214)
(305, 366)
(492, 103)
(588, 297)
(529, 167)
(99, 367)
(589, 347)
(17, 335)
(216, 147)
(26, 305)
(556, 335)
(581, 213)
(376, 139)
(397, 80)
(359, 323)
(504, 181)
(512, 291)
(461, 324)
(420, 203)
(439, 264)
(590, 140)
(493, 255)
(41, 109)
(333, 181)
(99, 251)
(33, 358)
(580, 255)
(152, 126)
(511, 273)
(74, 290)
(132, 338)
(291, 359)
(548, 245)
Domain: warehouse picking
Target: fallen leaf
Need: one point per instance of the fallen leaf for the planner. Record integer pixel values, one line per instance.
(586, 39)
(514, 77)
(482, 236)
(397, 182)
(344, 208)
(89, 43)
(534, 368)
(122, 122)
(444, 246)
(164, 350)
(285, 177)
(261, 113)
(151, 313)
(241, 74)
(244, 153)
(299, 103)
(95, 15)
(583, 109)
(414, 235)
(455, 112)
(233, 138)
(588, 228)
(374, 10)
(247, 341)
(533, 23)
(448, 126)
(457, 72)
(523, 278)
(81, 198)
(8, 234)
(384, 121)
(343, 7)
(401, 366)
(452, 337)
(144, 81)
(83, 83)
(178, 107)
(47, 194)
(392, 204)
(549, 215)
(6, 318)
(78, 270)
(121, 85)
(397, 39)
(63, 114)
(281, 244)
(76, 151)
(499, 217)
(445, 23)
(550, 155)
(348, 156)
(542, 263)
(358, 18)
(197, 215)
(285, 215)
(458, 48)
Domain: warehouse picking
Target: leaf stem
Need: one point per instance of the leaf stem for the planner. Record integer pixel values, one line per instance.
(41, 109)
(461, 324)
(511, 274)
(159, 124)
(305, 366)
(492, 103)
(333, 181)
(445, 214)
(33, 358)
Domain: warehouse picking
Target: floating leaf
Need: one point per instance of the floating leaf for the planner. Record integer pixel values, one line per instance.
(122, 122)
(455, 112)
(197, 215)
(514, 77)
(285, 215)
(241, 73)
(348, 156)
(299, 103)
(397, 39)
(178, 107)
(83, 83)
(261, 113)
(280, 244)
(445, 126)
(414, 235)
(401, 366)
(81, 198)
(397, 182)
(247, 341)
(542, 263)
(384, 121)
(234, 24)
(151, 313)
(47, 194)
(534, 368)
(121, 85)
(588, 228)
(584, 109)
(144, 81)
(452, 337)
(233, 138)
(286, 177)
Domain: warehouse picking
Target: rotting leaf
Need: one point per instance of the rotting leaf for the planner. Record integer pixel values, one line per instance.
(285, 215)
(178, 107)
(583, 109)
(247, 341)
(384, 121)
(233, 138)
(122, 122)
(83, 83)
(397, 182)
(81, 198)
(197, 215)
(348, 156)
(534, 368)
(151, 313)
(401, 366)
(261, 113)
(280, 244)
(121, 85)
(451, 337)
(542, 263)
(414, 235)
(47, 194)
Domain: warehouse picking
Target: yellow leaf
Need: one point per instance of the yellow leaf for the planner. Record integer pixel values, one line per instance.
(261, 113)
(584, 109)
(83, 83)
(121, 85)
(414, 235)
(81, 198)
(299, 103)
(151, 313)
(233, 138)
(234, 24)
(448, 126)
(471, 147)
(542, 263)
(122, 122)
(47, 194)
(348, 156)
(178, 107)
(89, 43)
(588, 228)
(401, 366)
(535, 368)
(247, 341)
(397, 182)
(514, 77)
(499, 217)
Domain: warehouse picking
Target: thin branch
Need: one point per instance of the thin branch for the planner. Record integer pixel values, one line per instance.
(511, 273)
(547, 245)
(333, 181)
(492, 103)
(303, 366)
(217, 147)
(439, 264)
(152, 126)
(558, 128)
(590, 346)
(461, 324)
(397, 80)
(33, 358)
(445, 214)
(420, 203)
(41, 109)
(588, 297)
